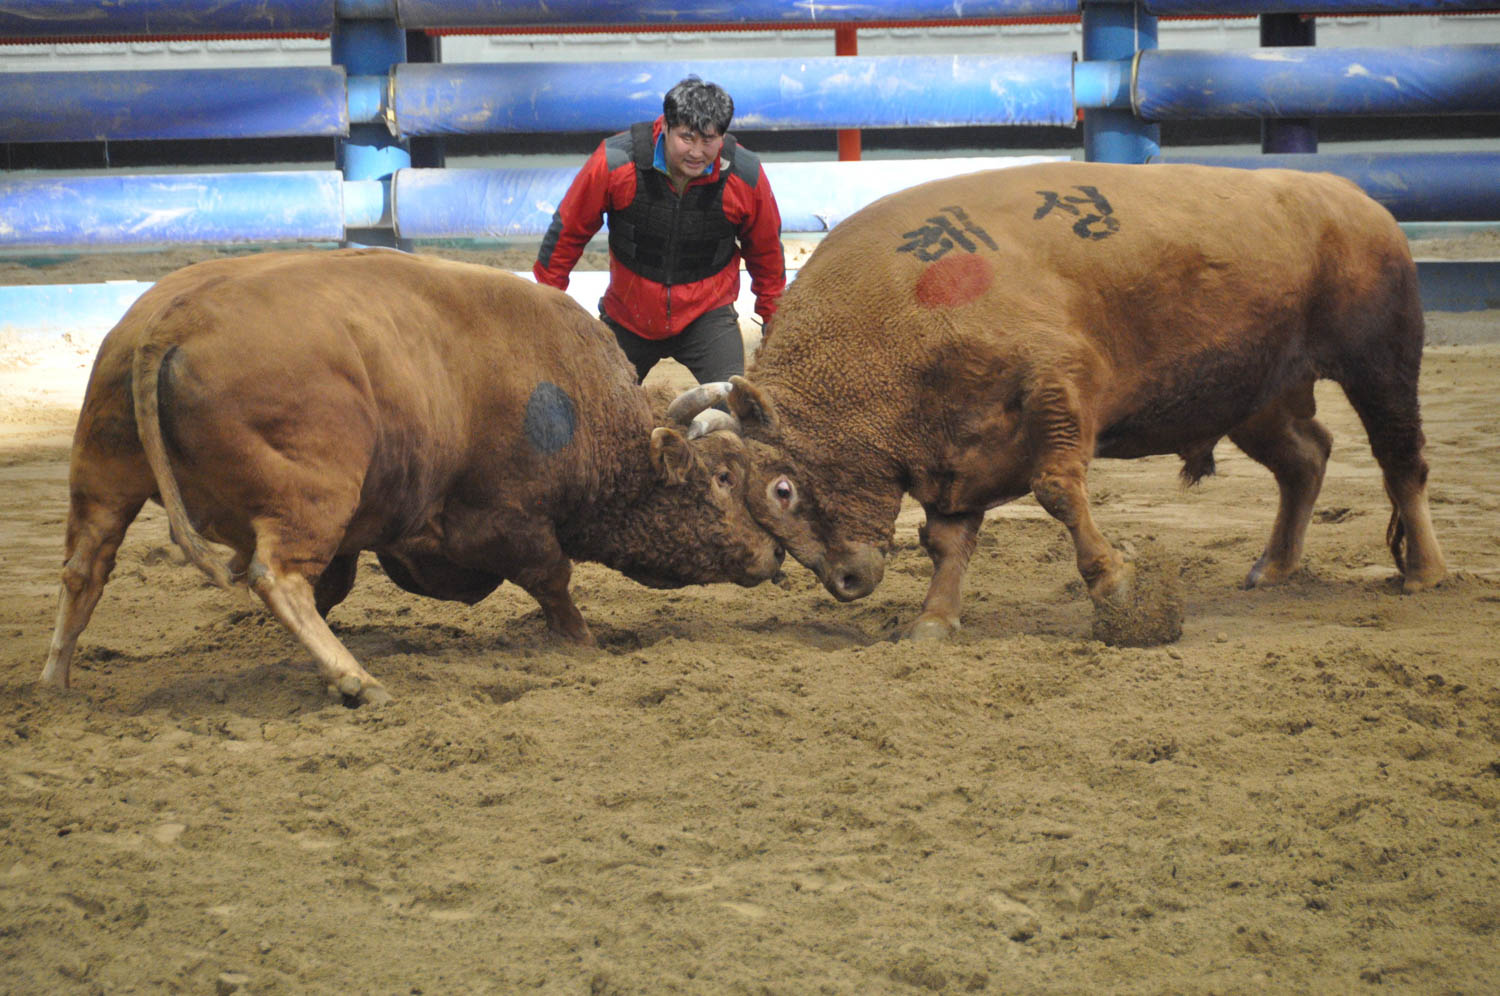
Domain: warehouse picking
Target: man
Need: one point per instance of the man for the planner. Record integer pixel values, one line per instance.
(684, 201)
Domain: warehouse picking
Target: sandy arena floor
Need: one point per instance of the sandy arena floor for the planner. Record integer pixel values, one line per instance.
(759, 792)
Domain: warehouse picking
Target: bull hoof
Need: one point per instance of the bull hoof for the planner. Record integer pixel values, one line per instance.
(1263, 574)
(932, 627)
(1410, 585)
(1114, 588)
(375, 695)
(355, 693)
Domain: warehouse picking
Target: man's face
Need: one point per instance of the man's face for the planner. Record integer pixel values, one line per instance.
(690, 152)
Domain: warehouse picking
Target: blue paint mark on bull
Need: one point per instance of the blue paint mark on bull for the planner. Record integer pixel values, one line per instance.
(550, 418)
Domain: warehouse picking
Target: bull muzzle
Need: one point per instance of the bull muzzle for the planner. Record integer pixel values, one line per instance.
(854, 574)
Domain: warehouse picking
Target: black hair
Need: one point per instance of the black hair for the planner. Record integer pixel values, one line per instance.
(704, 107)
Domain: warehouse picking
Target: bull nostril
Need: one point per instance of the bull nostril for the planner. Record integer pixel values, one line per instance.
(856, 576)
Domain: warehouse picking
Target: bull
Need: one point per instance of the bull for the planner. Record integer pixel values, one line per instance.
(978, 338)
(466, 425)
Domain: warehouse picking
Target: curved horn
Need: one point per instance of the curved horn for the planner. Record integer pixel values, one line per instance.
(694, 400)
(711, 420)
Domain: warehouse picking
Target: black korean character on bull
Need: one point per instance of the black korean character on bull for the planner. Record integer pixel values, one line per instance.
(1100, 223)
(943, 234)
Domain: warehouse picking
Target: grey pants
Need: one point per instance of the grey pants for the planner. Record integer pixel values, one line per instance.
(710, 347)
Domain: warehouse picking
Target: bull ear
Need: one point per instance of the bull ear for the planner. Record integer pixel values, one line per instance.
(671, 455)
(751, 406)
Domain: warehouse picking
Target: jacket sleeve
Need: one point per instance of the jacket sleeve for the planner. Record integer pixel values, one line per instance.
(760, 243)
(574, 223)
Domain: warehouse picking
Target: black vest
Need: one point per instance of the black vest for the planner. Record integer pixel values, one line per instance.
(664, 237)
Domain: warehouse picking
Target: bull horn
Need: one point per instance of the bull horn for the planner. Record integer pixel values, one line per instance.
(711, 420)
(694, 400)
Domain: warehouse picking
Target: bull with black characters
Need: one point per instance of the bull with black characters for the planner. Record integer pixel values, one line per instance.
(975, 339)
(466, 425)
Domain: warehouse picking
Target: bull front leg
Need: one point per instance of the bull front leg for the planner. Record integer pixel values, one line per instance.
(1059, 483)
(546, 577)
(1061, 491)
(949, 540)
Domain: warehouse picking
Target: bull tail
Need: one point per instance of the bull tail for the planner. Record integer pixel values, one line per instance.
(145, 380)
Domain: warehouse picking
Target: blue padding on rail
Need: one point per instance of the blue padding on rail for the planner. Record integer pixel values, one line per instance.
(1181, 84)
(477, 203)
(180, 208)
(70, 18)
(635, 14)
(78, 18)
(1460, 285)
(173, 103)
(1351, 8)
(501, 203)
(832, 92)
(1414, 186)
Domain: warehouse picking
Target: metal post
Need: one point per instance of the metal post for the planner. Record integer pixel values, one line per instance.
(427, 151)
(1288, 134)
(846, 42)
(371, 48)
(1113, 31)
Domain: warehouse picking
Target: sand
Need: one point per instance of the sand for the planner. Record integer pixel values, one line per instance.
(760, 791)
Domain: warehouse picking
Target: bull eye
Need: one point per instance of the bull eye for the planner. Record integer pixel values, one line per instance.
(724, 479)
(783, 490)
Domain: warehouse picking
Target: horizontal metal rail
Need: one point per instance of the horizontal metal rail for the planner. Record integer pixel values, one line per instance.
(1414, 186)
(833, 92)
(319, 205)
(1178, 84)
(34, 19)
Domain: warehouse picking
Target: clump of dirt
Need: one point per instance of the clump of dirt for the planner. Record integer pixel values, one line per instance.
(1149, 612)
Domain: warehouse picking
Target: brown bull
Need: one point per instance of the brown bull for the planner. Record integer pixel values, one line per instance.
(975, 339)
(468, 426)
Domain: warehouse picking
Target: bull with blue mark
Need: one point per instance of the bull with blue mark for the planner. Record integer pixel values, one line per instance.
(466, 425)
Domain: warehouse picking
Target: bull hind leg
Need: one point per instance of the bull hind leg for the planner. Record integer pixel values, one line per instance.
(1294, 446)
(949, 541)
(291, 597)
(1385, 398)
(95, 530)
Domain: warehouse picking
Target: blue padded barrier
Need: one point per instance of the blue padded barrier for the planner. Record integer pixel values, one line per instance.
(1415, 186)
(80, 18)
(86, 18)
(100, 211)
(1346, 8)
(628, 15)
(502, 203)
(1317, 82)
(832, 92)
(173, 103)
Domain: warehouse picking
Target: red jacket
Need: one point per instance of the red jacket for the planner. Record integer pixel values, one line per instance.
(649, 309)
